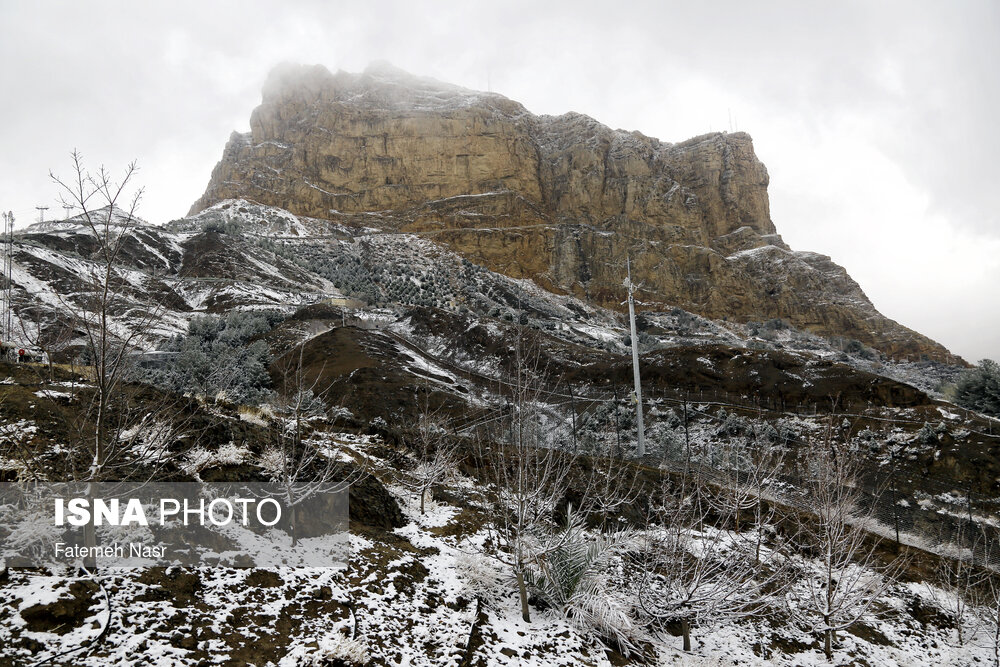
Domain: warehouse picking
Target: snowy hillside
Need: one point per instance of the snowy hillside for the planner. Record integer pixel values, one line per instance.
(424, 594)
(499, 512)
(239, 254)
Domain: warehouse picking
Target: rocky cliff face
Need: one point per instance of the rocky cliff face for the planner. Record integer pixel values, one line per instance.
(560, 200)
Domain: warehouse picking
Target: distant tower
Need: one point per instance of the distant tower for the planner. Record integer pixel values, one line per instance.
(41, 212)
(67, 208)
(8, 260)
(631, 287)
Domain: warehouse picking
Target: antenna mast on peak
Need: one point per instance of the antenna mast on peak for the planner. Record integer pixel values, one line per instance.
(637, 396)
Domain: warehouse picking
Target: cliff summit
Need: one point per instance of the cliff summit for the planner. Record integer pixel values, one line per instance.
(561, 200)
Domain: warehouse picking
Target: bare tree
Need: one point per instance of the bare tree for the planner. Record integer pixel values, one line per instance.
(982, 592)
(526, 476)
(304, 458)
(746, 470)
(108, 210)
(691, 573)
(612, 486)
(436, 453)
(956, 584)
(121, 439)
(987, 612)
(119, 436)
(836, 590)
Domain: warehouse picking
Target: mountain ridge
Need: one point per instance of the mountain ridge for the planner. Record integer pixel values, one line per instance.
(561, 200)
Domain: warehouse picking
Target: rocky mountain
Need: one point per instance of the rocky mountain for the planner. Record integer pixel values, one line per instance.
(391, 296)
(239, 255)
(562, 200)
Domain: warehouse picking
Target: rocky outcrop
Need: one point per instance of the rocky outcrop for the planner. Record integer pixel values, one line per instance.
(561, 200)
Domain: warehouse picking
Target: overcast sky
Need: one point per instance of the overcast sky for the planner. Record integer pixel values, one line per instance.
(876, 120)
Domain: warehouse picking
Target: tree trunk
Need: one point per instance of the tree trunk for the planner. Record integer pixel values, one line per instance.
(996, 636)
(423, 495)
(760, 528)
(828, 644)
(90, 535)
(686, 632)
(522, 592)
(687, 438)
(572, 404)
(618, 424)
(764, 644)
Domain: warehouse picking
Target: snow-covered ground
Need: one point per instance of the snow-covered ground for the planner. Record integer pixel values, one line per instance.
(409, 598)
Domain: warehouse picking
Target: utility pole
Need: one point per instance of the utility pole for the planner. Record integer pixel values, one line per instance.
(8, 260)
(3, 324)
(631, 287)
(41, 212)
(10, 269)
(67, 208)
